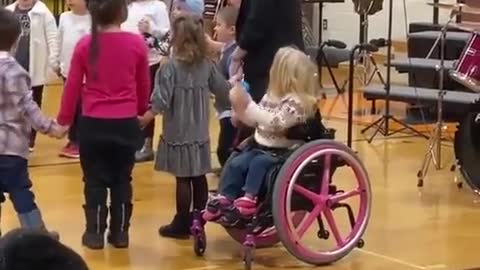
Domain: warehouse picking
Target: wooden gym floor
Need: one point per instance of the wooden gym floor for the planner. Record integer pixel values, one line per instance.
(408, 230)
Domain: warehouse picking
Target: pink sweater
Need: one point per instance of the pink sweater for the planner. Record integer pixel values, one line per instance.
(122, 85)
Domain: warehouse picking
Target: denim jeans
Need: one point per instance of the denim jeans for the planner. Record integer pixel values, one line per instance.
(246, 173)
(15, 181)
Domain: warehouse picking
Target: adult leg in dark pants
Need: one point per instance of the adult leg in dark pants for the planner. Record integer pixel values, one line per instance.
(107, 157)
(146, 153)
(37, 92)
(15, 180)
(226, 139)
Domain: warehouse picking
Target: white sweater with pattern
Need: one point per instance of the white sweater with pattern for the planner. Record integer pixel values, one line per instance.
(272, 118)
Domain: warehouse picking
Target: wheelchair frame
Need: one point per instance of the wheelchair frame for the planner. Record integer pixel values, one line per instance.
(274, 224)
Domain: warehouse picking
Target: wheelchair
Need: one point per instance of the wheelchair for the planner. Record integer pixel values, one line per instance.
(297, 192)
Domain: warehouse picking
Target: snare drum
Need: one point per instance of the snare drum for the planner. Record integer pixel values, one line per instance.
(467, 69)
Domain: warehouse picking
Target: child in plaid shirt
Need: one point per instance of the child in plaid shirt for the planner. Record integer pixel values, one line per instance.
(18, 114)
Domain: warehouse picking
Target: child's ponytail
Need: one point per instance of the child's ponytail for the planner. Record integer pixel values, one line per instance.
(94, 46)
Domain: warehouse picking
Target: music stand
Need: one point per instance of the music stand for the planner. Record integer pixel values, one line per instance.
(386, 117)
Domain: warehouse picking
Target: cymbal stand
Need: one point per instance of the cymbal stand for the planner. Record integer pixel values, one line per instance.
(433, 153)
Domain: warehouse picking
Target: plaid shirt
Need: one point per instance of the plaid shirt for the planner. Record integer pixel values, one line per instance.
(18, 112)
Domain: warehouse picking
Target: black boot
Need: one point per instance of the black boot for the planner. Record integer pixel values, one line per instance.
(179, 228)
(119, 224)
(33, 220)
(94, 235)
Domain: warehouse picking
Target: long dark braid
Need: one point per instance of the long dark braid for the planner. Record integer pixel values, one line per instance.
(103, 12)
(94, 46)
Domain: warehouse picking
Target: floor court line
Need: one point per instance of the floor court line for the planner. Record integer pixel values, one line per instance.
(402, 262)
(208, 267)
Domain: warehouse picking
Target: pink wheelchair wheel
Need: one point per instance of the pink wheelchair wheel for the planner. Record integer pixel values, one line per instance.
(323, 202)
(268, 237)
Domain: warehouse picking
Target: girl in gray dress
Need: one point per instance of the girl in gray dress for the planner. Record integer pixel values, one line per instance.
(183, 88)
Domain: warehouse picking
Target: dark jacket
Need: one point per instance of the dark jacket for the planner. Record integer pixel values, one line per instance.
(263, 27)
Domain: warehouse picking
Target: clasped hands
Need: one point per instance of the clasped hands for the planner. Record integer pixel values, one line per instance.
(57, 131)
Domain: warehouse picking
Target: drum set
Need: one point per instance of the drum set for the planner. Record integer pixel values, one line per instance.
(466, 71)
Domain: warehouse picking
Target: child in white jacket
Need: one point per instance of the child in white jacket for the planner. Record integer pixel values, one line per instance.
(150, 19)
(37, 48)
(73, 25)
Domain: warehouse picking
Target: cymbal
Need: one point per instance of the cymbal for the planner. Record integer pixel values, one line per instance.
(469, 27)
(461, 8)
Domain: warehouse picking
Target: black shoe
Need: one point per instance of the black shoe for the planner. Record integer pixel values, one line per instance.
(178, 229)
(94, 235)
(119, 224)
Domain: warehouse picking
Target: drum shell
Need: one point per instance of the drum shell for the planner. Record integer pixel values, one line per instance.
(467, 70)
(467, 149)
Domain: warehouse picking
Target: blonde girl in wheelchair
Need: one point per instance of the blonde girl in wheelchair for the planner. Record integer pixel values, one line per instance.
(289, 101)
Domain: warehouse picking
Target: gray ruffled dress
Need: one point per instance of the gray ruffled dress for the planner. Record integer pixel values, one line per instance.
(182, 95)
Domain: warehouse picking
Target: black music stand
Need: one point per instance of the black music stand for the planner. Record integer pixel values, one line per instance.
(386, 117)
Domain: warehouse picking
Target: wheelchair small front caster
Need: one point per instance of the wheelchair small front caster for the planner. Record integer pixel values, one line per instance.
(453, 168)
(323, 234)
(420, 179)
(360, 243)
(248, 258)
(199, 238)
(248, 251)
(199, 244)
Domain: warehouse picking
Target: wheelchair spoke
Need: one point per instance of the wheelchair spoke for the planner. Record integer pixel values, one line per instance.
(343, 196)
(306, 193)
(327, 212)
(307, 222)
(326, 174)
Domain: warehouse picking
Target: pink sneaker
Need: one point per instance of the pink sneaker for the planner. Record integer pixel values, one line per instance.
(70, 151)
(215, 206)
(246, 206)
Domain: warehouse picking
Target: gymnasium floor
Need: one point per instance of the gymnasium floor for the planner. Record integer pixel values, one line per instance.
(408, 230)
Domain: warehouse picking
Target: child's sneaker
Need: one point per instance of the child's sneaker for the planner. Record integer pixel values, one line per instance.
(70, 151)
(246, 206)
(215, 206)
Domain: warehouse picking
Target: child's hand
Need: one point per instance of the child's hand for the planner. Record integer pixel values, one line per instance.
(235, 68)
(235, 78)
(145, 119)
(144, 26)
(58, 131)
(239, 98)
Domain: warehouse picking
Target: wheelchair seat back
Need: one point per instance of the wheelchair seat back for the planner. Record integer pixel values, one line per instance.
(313, 129)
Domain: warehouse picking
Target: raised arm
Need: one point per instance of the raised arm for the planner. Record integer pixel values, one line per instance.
(21, 96)
(162, 21)
(73, 86)
(163, 91)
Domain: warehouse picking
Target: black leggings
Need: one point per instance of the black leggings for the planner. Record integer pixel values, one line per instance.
(188, 186)
(107, 157)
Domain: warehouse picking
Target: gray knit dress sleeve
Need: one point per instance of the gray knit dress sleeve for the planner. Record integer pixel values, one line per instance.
(163, 90)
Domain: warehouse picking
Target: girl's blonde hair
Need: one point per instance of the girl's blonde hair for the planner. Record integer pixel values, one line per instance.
(188, 39)
(292, 72)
